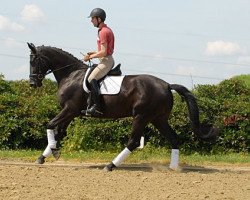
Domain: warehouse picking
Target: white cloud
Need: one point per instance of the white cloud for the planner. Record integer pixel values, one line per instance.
(32, 13)
(7, 25)
(222, 48)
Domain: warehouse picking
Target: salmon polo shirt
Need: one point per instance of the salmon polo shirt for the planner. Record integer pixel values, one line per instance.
(105, 35)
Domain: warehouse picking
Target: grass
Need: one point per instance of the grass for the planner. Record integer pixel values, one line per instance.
(147, 155)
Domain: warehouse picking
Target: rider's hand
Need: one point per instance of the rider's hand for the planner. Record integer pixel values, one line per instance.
(91, 52)
(86, 58)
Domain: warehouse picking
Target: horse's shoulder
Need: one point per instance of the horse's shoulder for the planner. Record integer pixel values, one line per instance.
(71, 83)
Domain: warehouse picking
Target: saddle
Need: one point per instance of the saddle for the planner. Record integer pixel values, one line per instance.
(116, 71)
(109, 84)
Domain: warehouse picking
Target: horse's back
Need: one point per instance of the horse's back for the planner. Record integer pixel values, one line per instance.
(140, 94)
(147, 83)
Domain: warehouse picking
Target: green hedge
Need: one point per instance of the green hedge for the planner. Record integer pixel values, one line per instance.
(228, 106)
(25, 112)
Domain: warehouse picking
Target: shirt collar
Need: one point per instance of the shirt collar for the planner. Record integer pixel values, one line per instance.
(102, 25)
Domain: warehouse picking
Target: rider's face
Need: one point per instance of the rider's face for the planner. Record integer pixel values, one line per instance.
(94, 21)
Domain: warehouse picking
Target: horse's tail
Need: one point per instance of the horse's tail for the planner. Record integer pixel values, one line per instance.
(203, 131)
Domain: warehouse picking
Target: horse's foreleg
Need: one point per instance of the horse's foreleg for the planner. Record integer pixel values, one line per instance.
(51, 147)
(134, 142)
(60, 122)
(51, 142)
(165, 129)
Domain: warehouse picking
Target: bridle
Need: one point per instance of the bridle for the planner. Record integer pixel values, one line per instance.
(36, 72)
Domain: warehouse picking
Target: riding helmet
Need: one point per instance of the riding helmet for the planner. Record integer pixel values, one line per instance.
(98, 12)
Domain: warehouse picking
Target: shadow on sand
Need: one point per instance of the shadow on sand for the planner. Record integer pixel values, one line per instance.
(165, 168)
(143, 167)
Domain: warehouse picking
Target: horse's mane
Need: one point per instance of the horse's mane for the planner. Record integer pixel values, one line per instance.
(63, 53)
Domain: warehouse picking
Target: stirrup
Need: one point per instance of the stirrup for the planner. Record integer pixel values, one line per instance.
(92, 111)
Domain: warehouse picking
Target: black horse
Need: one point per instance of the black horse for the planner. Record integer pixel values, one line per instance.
(144, 97)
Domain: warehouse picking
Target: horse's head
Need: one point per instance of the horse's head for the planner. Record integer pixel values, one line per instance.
(39, 65)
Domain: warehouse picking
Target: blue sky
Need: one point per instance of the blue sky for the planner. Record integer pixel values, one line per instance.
(186, 42)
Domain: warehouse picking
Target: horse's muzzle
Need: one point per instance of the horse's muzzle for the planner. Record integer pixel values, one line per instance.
(34, 83)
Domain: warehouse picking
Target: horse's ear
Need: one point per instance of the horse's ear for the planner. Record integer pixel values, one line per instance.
(32, 47)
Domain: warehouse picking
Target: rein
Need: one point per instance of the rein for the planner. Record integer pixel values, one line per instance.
(51, 71)
(42, 59)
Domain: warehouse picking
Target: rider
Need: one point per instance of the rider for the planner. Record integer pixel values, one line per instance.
(105, 49)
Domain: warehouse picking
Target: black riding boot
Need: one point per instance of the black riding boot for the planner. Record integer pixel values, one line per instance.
(95, 96)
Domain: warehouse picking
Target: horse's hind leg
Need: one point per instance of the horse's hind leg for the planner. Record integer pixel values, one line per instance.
(165, 129)
(138, 125)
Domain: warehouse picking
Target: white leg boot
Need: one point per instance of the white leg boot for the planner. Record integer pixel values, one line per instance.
(121, 157)
(174, 163)
(51, 142)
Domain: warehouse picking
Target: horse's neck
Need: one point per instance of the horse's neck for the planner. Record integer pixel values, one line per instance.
(63, 64)
(62, 72)
(68, 71)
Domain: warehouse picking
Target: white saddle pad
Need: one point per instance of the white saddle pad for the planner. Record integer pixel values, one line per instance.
(110, 85)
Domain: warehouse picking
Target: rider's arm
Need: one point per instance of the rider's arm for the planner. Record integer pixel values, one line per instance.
(98, 54)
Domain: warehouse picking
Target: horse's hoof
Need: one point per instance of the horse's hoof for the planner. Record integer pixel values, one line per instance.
(175, 168)
(40, 160)
(109, 167)
(56, 153)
